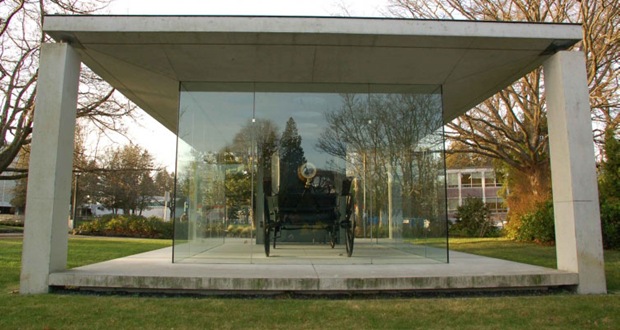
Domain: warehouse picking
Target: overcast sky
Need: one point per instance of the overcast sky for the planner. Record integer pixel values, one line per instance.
(249, 7)
(148, 133)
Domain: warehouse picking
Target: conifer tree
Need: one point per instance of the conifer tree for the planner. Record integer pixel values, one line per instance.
(291, 158)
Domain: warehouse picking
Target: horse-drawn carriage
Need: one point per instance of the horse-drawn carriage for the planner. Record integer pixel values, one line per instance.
(317, 200)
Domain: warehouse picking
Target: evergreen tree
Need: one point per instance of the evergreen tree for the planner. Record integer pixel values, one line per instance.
(609, 191)
(610, 169)
(291, 158)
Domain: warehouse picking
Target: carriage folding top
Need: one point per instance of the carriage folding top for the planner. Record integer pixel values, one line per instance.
(314, 199)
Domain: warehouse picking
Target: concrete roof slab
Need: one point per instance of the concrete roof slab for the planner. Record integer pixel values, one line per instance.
(145, 57)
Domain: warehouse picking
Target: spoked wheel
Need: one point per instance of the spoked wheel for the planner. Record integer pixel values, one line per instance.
(266, 239)
(350, 239)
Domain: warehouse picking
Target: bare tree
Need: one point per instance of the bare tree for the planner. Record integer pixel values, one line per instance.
(261, 134)
(83, 166)
(601, 44)
(512, 126)
(20, 39)
(389, 135)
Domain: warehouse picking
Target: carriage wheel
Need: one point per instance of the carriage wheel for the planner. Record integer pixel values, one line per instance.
(350, 233)
(266, 238)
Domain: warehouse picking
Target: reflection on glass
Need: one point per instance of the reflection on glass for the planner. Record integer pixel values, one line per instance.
(247, 151)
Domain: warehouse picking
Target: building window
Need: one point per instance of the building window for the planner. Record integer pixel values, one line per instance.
(453, 204)
(492, 179)
(453, 180)
(495, 205)
(471, 179)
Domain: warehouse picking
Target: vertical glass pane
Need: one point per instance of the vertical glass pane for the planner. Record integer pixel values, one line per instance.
(305, 165)
(304, 180)
(214, 179)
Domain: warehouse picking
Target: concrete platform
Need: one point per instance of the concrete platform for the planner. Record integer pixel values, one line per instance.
(307, 269)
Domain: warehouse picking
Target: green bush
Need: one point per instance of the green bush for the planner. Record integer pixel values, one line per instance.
(126, 226)
(211, 230)
(538, 226)
(609, 189)
(12, 223)
(610, 223)
(181, 229)
(247, 231)
(94, 227)
(234, 230)
(415, 228)
(243, 231)
(472, 220)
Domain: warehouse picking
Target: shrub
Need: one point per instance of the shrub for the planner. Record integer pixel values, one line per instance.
(247, 231)
(94, 227)
(472, 220)
(610, 224)
(12, 223)
(538, 226)
(215, 229)
(117, 227)
(235, 230)
(609, 188)
(415, 228)
(126, 226)
(181, 230)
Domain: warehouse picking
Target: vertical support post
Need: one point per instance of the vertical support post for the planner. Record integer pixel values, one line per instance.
(259, 215)
(76, 178)
(51, 162)
(390, 204)
(579, 245)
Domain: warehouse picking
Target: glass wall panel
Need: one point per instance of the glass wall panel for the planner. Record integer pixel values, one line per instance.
(309, 165)
(213, 178)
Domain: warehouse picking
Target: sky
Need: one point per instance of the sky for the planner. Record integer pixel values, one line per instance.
(249, 7)
(152, 136)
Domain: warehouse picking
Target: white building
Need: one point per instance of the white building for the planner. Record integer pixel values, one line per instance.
(482, 183)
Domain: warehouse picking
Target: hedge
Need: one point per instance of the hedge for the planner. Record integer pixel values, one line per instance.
(126, 226)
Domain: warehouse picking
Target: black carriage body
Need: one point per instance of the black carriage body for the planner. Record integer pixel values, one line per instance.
(323, 202)
(307, 209)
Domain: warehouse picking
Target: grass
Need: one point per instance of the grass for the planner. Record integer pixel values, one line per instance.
(503, 248)
(533, 254)
(82, 251)
(55, 311)
(87, 250)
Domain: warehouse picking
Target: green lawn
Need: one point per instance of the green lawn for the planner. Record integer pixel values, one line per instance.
(503, 248)
(532, 254)
(54, 311)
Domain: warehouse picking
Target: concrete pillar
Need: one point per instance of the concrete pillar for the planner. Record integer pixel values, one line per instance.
(51, 162)
(575, 193)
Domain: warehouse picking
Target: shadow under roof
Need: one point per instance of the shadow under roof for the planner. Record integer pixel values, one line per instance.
(145, 57)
